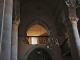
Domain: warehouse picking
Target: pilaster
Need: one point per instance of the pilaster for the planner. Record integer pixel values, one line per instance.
(14, 44)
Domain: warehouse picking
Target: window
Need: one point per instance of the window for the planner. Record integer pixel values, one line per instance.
(37, 34)
(34, 40)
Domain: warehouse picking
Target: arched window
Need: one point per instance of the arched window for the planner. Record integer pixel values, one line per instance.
(37, 34)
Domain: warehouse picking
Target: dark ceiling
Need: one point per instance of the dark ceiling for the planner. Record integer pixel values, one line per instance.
(51, 3)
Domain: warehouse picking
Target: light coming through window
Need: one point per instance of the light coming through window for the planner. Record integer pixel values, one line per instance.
(34, 40)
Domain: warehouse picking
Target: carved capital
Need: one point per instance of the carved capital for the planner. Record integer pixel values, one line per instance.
(16, 22)
(72, 4)
(74, 20)
(72, 15)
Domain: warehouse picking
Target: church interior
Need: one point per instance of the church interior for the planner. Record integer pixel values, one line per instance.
(39, 29)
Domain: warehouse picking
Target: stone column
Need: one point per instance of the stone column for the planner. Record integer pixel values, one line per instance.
(74, 38)
(7, 27)
(1, 22)
(14, 47)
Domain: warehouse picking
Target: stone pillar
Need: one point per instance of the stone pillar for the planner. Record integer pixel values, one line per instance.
(7, 27)
(74, 38)
(1, 22)
(14, 47)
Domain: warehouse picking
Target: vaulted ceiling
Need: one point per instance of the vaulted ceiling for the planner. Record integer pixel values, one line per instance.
(53, 4)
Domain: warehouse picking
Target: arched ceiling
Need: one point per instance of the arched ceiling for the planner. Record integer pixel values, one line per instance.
(51, 3)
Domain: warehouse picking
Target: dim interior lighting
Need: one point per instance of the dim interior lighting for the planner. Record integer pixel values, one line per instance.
(51, 43)
(41, 56)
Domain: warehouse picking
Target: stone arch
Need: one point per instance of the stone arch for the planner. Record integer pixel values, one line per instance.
(49, 51)
(40, 22)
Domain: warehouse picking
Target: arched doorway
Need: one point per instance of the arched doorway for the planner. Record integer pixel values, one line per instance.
(39, 53)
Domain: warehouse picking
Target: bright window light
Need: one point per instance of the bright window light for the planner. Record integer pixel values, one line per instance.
(34, 40)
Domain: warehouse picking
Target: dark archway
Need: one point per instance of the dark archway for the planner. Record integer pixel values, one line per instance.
(38, 54)
(34, 53)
